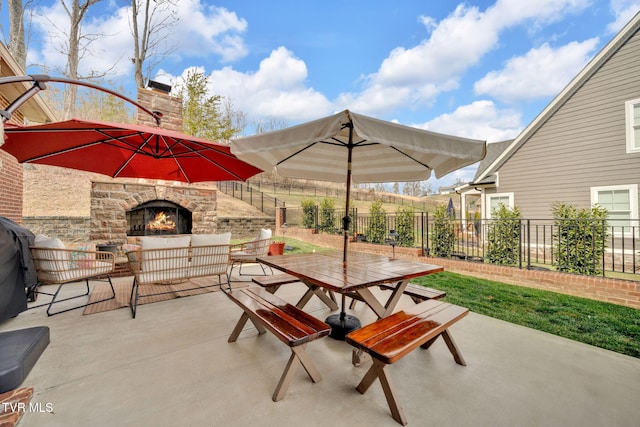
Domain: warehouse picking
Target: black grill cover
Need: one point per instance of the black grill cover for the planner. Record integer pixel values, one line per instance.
(17, 271)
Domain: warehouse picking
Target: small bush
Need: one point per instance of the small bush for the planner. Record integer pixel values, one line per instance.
(377, 229)
(327, 218)
(404, 226)
(503, 235)
(580, 238)
(443, 233)
(308, 213)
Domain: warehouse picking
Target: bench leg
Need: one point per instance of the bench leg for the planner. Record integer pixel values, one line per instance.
(240, 325)
(451, 344)
(453, 348)
(377, 370)
(298, 356)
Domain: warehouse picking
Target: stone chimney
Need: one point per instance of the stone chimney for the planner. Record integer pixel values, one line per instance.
(156, 97)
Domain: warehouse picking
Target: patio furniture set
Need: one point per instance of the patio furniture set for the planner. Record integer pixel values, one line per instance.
(156, 262)
(387, 340)
(160, 261)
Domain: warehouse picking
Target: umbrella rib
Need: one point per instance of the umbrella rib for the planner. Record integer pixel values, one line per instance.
(227, 170)
(207, 159)
(410, 157)
(297, 152)
(66, 150)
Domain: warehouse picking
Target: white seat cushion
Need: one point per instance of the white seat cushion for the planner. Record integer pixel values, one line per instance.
(210, 239)
(164, 258)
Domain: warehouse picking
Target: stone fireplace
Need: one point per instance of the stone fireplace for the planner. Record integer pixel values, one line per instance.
(121, 211)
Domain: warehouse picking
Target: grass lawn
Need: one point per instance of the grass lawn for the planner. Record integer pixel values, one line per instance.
(605, 325)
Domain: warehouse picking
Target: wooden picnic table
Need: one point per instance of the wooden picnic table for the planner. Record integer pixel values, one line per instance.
(325, 271)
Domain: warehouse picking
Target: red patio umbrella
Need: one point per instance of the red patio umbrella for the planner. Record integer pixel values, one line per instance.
(126, 151)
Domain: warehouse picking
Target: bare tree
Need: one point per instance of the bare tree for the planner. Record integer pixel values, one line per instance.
(16, 32)
(151, 22)
(77, 45)
(20, 13)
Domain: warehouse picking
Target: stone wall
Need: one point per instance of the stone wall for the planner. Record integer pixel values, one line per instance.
(244, 228)
(67, 229)
(169, 106)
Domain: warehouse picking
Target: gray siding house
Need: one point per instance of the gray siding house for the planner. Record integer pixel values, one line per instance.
(583, 149)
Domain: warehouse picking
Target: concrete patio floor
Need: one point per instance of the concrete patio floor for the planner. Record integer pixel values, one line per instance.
(172, 365)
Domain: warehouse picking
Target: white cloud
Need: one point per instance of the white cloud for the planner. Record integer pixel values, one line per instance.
(418, 74)
(478, 120)
(624, 10)
(540, 73)
(276, 90)
(203, 31)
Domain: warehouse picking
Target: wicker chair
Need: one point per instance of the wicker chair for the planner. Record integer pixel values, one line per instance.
(57, 266)
(248, 252)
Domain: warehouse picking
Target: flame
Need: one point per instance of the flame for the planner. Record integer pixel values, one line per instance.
(162, 222)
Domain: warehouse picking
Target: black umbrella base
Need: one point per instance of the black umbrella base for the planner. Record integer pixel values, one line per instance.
(342, 324)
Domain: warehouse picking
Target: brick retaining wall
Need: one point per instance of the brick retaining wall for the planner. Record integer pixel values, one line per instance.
(68, 229)
(244, 228)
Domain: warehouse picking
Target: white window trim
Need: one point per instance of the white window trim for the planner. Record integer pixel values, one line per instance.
(633, 200)
(632, 145)
(488, 197)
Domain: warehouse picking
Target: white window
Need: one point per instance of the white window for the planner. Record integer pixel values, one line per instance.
(621, 202)
(493, 201)
(632, 109)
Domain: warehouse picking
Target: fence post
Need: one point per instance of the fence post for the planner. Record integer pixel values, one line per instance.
(528, 243)
(520, 244)
(604, 225)
(315, 217)
(425, 229)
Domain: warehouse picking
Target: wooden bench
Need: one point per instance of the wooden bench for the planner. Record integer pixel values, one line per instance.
(418, 293)
(391, 338)
(288, 323)
(273, 282)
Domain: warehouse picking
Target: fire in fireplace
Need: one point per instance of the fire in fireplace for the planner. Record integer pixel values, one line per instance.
(162, 222)
(158, 217)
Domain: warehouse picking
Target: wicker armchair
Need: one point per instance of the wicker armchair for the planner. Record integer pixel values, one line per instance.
(57, 266)
(248, 252)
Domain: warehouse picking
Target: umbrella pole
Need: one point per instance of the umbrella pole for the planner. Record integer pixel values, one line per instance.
(344, 323)
(346, 220)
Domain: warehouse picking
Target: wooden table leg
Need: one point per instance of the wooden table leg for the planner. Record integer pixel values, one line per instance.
(319, 292)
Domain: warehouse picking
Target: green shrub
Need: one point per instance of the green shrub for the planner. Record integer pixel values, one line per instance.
(327, 215)
(443, 234)
(377, 229)
(579, 238)
(308, 213)
(503, 235)
(404, 226)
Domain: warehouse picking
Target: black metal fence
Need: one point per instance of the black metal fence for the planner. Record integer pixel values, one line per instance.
(296, 187)
(248, 194)
(534, 243)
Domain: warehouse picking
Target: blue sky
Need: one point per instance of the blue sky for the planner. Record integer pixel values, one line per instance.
(478, 69)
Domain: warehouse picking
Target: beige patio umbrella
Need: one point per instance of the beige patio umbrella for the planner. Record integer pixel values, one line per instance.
(349, 147)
